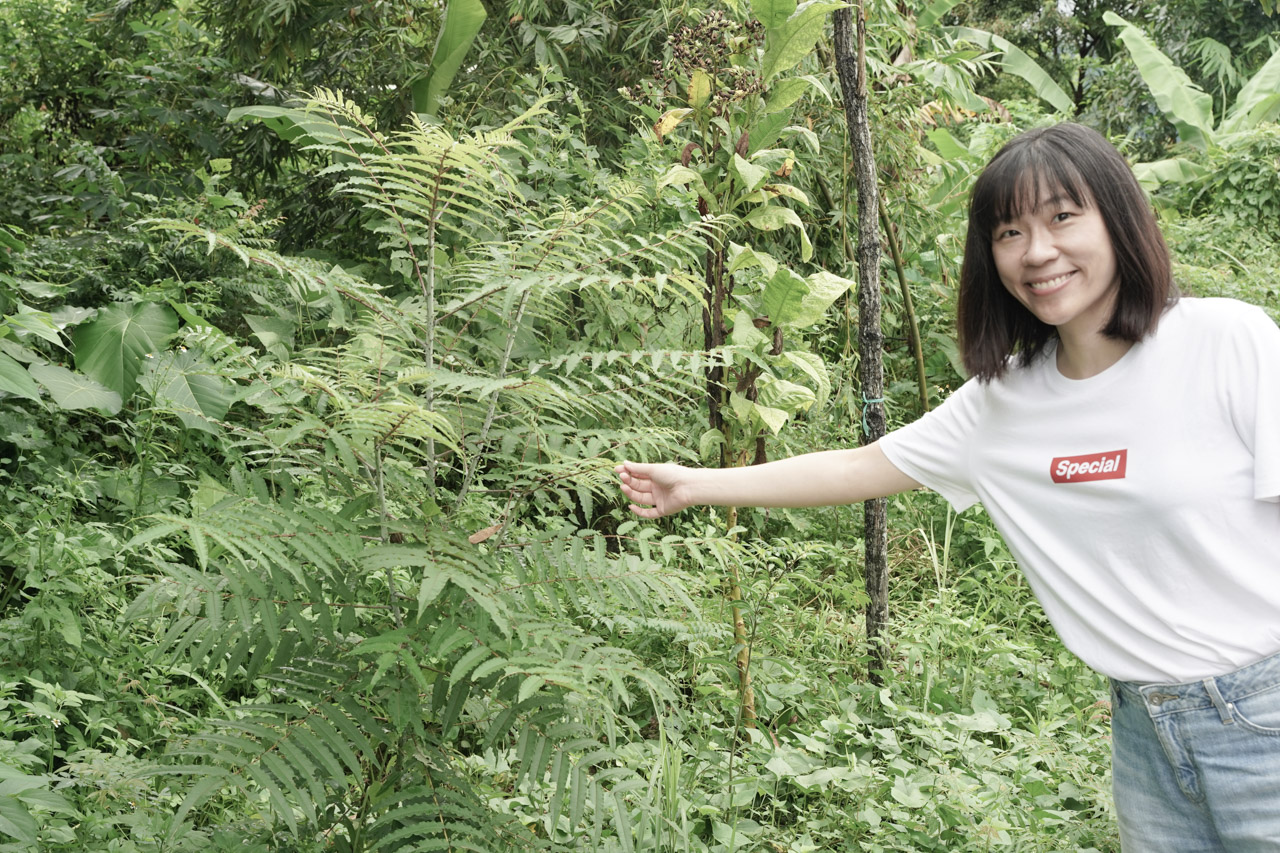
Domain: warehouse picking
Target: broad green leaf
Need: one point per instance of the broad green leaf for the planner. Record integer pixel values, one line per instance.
(764, 133)
(749, 175)
(17, 823)
(1019, 64)
(71, 315)
(69, 627)
(788, 761)
(188, 314)
(10, 241)
(113, 347)
(774, 419)
(275, 333)
(1265, 110)
(841, 776)
(37, 289)
(188, 387)
(815, 368)
(791, 89)
(745, 334)
(49, 801)
(806, 248)
(908, 793)
(824, 288)
(744, 257)
(1175, 170)
(709, 442)
(679, 175)
(770, 217)
(15, 380)
(948, 146)
(795, 37)
(462, 20)
(934, 12)
(786, 396)
(1257, 100)
(772, 13)
(810, 138)
(13, 781)
(73, 391)
(783, 299)
(1183, 103)
(29, 321)
(291, 125)
(742, 828)
(209, 494)
(740, 406)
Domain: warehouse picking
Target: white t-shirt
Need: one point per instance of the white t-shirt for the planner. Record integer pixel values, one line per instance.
(1143, 503)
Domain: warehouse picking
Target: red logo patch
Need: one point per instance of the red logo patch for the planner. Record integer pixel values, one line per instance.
(1093, 466)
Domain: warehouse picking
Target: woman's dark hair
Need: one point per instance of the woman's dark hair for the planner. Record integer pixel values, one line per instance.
(1080, 162)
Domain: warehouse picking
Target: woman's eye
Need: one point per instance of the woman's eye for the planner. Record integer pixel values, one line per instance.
(1062, 216)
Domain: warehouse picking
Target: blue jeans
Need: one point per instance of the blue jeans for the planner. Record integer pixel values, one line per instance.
(1197, 765)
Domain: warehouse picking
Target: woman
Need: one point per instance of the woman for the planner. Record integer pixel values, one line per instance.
(1126, 443)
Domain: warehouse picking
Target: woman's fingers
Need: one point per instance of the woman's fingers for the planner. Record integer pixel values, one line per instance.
(638, 488)
(640, 496)
(645, 511)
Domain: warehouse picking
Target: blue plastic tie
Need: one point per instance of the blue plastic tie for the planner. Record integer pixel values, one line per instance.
(866, 427)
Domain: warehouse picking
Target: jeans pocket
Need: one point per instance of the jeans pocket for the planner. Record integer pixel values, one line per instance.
(1259, 712)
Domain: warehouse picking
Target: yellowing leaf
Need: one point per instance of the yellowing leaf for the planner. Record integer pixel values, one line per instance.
(699, 89)
(787, 191)
(670, 119)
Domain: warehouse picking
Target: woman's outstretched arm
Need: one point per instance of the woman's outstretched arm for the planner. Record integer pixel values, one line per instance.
(826, 478)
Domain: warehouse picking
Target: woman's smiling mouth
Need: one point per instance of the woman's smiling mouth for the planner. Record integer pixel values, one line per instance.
(1050, 284)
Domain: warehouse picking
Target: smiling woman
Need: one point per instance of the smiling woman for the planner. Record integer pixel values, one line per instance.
(1093, 386)
(1090, 217)
(1056, 260)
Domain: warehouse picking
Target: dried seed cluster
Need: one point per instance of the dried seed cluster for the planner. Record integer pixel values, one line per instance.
(709, 46)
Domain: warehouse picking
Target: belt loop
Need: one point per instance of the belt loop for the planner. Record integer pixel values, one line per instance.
(1224, 710)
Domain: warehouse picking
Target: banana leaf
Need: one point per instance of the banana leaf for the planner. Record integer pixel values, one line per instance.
(1185, 104)
(1015, 61)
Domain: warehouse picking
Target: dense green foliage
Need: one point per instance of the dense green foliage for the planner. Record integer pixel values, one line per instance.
(309, 405)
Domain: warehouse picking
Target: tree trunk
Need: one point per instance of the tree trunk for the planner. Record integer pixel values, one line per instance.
(715, 335)
(851, 66)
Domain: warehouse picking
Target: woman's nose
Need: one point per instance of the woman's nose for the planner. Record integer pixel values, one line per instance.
(1040, 248)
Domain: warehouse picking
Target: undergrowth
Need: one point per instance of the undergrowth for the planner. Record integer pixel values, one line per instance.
(308, 553)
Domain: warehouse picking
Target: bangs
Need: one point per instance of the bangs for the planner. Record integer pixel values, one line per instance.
(1022, 180)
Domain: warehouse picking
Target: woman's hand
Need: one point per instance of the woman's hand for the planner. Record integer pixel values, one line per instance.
(655, 490)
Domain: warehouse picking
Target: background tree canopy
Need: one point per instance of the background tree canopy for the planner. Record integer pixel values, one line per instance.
(323, 324)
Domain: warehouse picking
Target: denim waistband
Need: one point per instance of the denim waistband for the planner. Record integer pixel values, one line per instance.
(1215, 692)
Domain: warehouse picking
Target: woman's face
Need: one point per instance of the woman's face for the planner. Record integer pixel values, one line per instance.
(1057, 260)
